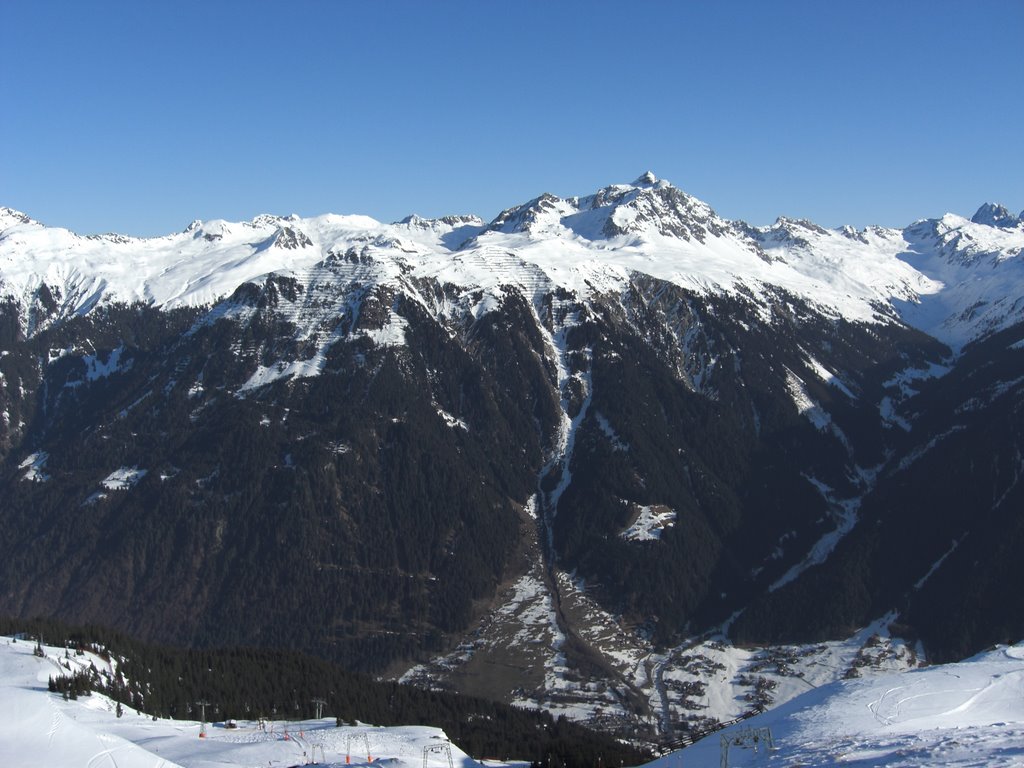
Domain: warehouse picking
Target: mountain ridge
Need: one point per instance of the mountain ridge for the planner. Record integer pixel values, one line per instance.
(549, 445)
(580, 243)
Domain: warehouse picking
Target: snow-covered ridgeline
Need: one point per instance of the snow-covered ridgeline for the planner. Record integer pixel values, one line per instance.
(981, 270)
(952, 277)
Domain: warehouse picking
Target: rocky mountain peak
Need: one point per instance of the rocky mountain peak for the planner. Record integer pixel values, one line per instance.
(995, 215)
(9, 217)
(526, 217)
(413, 221)
(657, 206)
(647, 179)
(268, 220)
(291, 238)
(792, 232)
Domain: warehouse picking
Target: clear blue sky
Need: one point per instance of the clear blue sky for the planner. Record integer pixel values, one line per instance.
(138, 117)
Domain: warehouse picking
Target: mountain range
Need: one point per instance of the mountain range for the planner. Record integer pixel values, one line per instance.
(539, 458)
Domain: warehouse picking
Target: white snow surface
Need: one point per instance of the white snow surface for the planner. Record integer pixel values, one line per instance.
(38, 728)
(827, 376)
(649, 524)
(962, 715)
(123, 478)
(951, 277)
(981, 270)
(34, 465)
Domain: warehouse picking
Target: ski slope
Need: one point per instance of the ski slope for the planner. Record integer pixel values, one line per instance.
(39, 728)
(962, 715)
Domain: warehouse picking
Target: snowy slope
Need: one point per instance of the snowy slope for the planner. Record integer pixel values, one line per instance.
(967, 714)
(952, 277)
(981, 269)
(38, 728)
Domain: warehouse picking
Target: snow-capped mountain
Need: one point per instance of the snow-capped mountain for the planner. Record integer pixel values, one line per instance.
(567, 441)
(995, 215)
(586, 244)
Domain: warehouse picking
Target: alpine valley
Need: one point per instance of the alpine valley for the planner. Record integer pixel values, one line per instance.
(613, 456)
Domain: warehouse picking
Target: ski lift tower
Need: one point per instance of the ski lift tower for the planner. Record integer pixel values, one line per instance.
(202, 704)
(444, 748)
(745, 738)
(348, 747)
(319, 704)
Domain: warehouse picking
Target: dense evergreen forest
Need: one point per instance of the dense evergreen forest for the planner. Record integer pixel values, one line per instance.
(247, 683)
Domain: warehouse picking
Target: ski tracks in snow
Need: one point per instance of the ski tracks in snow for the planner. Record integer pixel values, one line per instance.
(893, 716)
(55, 723)
(96, 760)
